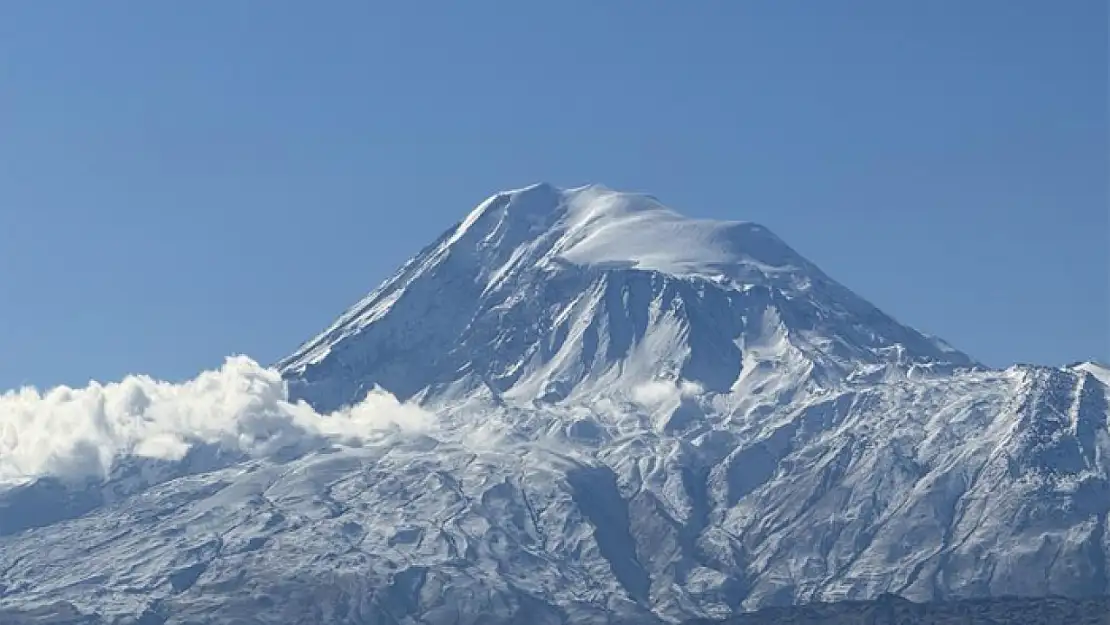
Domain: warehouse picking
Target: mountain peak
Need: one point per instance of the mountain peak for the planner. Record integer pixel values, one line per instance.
(596, 226)
(543, 292)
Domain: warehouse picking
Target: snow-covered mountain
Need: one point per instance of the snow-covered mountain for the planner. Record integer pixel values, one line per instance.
(638, 417)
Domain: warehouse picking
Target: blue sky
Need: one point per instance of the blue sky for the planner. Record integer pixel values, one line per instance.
(183, 181)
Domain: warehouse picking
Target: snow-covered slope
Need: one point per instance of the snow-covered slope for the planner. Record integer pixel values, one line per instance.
(637, 416)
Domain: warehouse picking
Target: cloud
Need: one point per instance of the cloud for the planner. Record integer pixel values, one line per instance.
(74, 433)
(660, 393)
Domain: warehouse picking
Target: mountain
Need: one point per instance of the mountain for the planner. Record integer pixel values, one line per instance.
(638, 417)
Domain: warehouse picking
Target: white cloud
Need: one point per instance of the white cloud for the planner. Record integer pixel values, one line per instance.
(660, 393)
(73, 433)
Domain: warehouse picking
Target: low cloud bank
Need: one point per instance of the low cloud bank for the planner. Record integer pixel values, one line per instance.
(74, 433)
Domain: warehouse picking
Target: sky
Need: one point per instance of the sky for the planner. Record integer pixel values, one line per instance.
(184, 181)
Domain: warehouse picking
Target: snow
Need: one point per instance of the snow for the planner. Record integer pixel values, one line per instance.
(619, 415)
(607, 228)
(1100, 372)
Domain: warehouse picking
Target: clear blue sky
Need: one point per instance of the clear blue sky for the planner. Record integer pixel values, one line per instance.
(182, 181)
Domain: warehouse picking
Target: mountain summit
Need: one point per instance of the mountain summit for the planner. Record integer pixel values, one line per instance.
(636, 417)
(543, 292)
